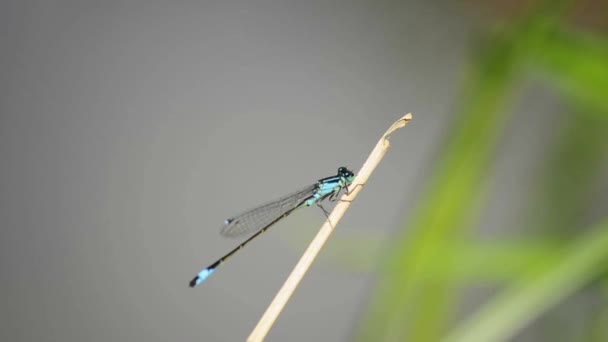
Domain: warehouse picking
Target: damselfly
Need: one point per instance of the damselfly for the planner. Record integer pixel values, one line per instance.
(261, 218)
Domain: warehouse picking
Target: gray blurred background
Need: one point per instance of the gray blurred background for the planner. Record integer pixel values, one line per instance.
(130, 130)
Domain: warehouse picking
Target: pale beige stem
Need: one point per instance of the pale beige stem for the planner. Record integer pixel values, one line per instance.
(279, 301)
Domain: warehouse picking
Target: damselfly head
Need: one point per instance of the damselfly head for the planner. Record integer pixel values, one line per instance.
(344, 172)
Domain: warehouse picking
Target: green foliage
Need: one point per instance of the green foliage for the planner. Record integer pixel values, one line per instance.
(511, 310)
(575, 63)
(417, 294)
(406, 290)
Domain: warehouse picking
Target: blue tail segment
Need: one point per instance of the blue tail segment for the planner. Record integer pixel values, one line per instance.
(201, 276)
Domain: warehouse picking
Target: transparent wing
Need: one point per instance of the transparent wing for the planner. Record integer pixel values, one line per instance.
(259, 217)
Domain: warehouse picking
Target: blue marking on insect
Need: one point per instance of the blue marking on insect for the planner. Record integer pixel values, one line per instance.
(325, 188)
(204, 274)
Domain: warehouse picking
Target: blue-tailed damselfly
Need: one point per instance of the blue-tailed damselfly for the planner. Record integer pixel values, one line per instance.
(261, 218)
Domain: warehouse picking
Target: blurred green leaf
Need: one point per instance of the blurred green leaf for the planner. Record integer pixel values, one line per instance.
(505, 315)
(416, 293)
(576, 63)
(406, 293)
(598, 329)
(570, 176)
(482, 261)
(503, 261)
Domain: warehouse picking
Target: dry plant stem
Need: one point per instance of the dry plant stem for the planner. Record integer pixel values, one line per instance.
(279, 301)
